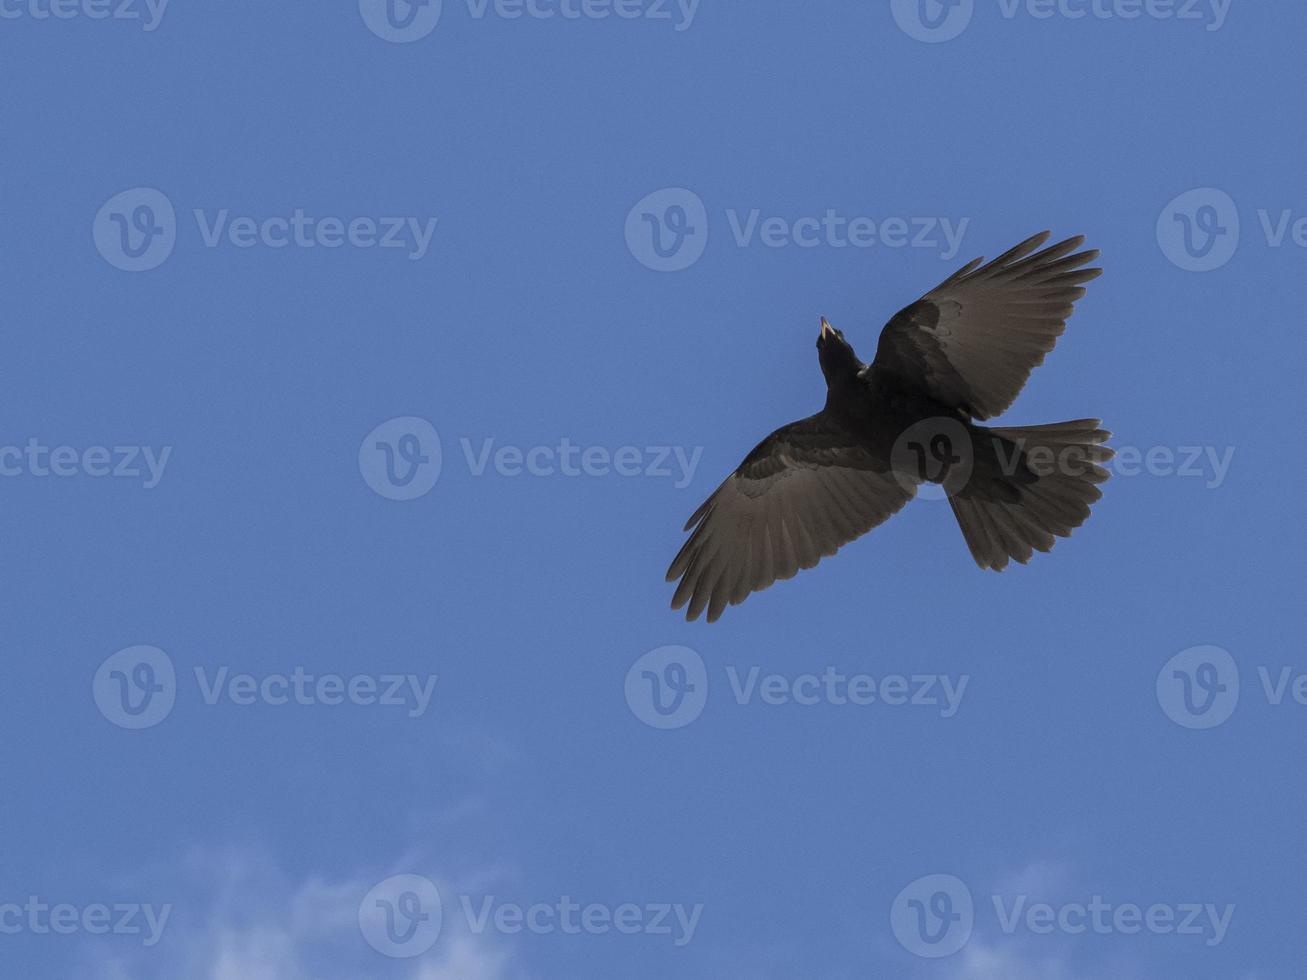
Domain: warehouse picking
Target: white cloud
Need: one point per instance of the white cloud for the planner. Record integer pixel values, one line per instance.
(1041, 880)
(980, 962)
(238, 918)
(1012, 958)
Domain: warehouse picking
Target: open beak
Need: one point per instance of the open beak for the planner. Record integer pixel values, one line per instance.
(826, 329)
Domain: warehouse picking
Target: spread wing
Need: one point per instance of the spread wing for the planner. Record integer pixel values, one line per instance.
(973, 340)
(806, 490)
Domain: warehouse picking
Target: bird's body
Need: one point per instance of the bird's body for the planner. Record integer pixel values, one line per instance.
(960, 354)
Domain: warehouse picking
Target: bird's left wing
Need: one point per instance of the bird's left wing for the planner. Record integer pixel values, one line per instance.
(973, 340)
(804, 491)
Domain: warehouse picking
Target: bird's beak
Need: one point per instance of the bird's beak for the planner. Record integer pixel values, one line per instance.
(826, 329)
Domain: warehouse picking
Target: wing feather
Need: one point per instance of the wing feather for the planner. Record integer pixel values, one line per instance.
(974, 339)
(805, 491)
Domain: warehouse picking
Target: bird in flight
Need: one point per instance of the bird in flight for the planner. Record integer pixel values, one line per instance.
(959, 354)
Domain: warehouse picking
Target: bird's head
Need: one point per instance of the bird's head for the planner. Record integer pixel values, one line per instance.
(838, 362)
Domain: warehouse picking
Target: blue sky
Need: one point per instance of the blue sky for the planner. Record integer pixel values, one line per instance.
(350, 417)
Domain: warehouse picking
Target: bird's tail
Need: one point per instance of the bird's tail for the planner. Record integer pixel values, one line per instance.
(1046, 478)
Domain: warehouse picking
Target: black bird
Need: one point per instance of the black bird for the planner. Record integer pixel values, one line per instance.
(960, 353)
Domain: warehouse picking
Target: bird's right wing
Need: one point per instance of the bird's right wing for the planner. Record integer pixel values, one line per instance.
(973, 340)
(804, 491)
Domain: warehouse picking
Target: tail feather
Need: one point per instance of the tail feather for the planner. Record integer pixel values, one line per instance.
(1055, 474)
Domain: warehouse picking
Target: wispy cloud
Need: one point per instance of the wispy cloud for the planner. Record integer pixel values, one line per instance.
(239, 917)
(983, 962)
